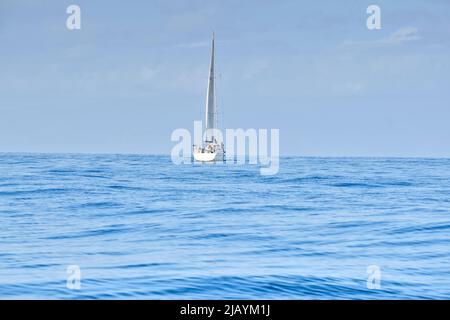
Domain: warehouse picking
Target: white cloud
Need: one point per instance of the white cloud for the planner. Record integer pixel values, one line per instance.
(402, 35)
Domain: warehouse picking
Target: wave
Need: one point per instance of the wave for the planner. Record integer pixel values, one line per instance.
(140, 227)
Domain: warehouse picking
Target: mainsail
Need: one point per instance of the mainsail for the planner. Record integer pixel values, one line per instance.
(210, 101)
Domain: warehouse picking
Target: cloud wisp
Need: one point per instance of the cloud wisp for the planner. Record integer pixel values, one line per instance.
(402, 35)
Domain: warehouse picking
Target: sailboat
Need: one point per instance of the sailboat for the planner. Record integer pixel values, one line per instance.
(211, 149)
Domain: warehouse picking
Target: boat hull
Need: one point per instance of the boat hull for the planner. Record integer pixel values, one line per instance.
(208, 156)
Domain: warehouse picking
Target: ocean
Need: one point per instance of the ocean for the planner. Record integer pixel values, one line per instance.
(140, 227)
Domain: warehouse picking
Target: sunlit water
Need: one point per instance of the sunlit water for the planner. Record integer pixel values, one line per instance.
(141, 227)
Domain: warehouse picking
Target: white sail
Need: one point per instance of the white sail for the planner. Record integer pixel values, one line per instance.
(210, 100)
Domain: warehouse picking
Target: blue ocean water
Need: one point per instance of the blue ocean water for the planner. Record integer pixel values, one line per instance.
(140, 227)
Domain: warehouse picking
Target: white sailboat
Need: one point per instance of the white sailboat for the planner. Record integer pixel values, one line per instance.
(211, 149)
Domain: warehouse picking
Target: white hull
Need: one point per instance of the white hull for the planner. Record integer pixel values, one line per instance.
(208, 156)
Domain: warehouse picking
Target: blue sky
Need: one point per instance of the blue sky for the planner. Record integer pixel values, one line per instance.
(138, 70)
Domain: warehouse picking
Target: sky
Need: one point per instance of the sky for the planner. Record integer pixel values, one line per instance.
(138, 70)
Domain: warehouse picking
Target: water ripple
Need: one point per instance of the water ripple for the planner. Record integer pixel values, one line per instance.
(140, 227)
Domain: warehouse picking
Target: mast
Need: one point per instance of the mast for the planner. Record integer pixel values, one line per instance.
(210, 100)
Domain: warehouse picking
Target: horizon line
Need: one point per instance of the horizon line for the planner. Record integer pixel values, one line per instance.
(168, 155)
